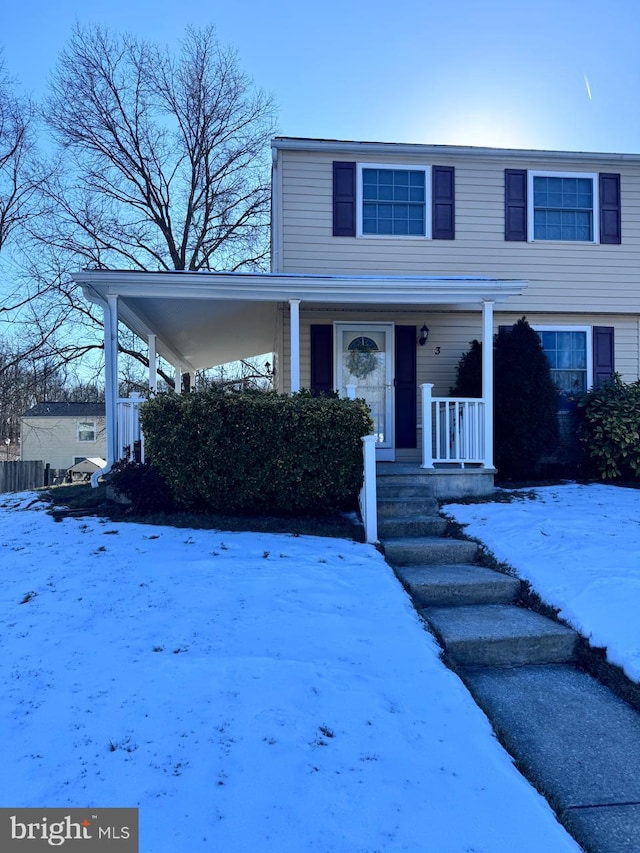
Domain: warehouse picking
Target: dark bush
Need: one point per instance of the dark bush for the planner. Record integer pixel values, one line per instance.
(609, 428)
(142, 485)
(469, 373)
(526, 402)
(525, 398)
(259, 453)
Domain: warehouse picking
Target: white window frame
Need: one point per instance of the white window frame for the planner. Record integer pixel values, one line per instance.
(592, 176)
(588, 330)
(78, 459)
(395, 167)
(95, 431)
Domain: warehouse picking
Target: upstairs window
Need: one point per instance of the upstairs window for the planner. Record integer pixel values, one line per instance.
(393, 202)
(563, 206)
(86, 430)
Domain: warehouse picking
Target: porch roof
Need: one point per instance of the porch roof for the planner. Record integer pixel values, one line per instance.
(202, 319)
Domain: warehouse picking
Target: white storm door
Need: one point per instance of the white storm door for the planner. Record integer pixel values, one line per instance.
(364, 358)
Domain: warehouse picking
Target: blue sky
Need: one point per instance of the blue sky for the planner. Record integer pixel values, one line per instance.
(471, 73)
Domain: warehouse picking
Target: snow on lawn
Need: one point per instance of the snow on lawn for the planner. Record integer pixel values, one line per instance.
(248, 692)
(579, 546)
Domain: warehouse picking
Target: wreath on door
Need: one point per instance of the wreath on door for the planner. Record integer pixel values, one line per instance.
(362, 357)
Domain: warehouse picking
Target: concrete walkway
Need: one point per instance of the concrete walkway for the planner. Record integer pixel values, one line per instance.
(576, 741)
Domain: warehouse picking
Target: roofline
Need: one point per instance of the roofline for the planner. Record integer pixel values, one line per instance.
(339, 146)
(309, 287)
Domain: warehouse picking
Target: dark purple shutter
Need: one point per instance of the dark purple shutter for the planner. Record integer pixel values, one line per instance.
(344, 199)
(603, 354)
(321, 359)
(405, 408)
(610, 220)
(443, 226)
(515, 204)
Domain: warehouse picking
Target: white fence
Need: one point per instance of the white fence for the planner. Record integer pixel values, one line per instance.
(453, 430)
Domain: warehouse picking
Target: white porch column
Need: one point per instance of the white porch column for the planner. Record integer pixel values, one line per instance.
(111, 378)
(487, 380)
(177, 378)
(427, 425)
(294, 306)
(153, 364)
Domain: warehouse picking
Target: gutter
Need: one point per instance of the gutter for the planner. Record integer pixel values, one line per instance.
(337, 146)
(275, 219)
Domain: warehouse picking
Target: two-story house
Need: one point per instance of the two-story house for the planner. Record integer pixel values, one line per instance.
(63, 434)
(387, 260)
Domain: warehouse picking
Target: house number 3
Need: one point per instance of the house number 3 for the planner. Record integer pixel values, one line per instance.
(437, 351)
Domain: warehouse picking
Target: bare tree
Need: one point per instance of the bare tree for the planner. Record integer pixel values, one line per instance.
(19, 178)
(166, 157)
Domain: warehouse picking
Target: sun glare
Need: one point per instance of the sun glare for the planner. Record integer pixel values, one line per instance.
(484, 129)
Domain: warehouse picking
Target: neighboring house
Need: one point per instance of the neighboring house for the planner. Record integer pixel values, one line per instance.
(387, 260)
(63, 434)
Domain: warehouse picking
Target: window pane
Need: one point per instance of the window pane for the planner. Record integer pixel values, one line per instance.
(563, 208)
(567, 354)
(86, 431)
(393, 201)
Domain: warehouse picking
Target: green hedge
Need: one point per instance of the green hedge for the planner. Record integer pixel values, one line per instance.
(609, 428)
(257, 452)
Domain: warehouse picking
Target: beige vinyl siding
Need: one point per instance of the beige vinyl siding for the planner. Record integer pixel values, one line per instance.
(451, 334)
(55, 440)
(590, 277)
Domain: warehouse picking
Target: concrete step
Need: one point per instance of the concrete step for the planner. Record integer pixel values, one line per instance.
(411, 476)
(403, 490)
(407, 507)
(500, 635)
(428, 551)
(419, 525)
(578, 741)
(444, 586)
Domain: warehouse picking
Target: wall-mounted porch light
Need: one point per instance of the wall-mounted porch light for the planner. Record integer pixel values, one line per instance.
(424, 335)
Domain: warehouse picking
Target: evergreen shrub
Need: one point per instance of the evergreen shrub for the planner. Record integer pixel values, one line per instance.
(609, 428)
(525, 398)
(525, 402)
(469, 373)
(257, 452)
(143, 486)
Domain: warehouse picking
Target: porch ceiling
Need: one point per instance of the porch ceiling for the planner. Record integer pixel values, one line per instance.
(202, 333)
(205, 319)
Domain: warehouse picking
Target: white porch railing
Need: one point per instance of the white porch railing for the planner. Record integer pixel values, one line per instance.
(367, 498)
(368, 493)
(128, 426)
(453, 430)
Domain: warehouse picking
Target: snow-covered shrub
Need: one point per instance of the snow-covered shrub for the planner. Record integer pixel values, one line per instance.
(609, 428)
(257, 452)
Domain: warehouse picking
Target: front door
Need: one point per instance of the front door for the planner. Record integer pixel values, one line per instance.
(364, 359)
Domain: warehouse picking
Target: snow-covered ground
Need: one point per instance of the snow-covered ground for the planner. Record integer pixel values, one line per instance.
(248, 692)
(579, 546)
